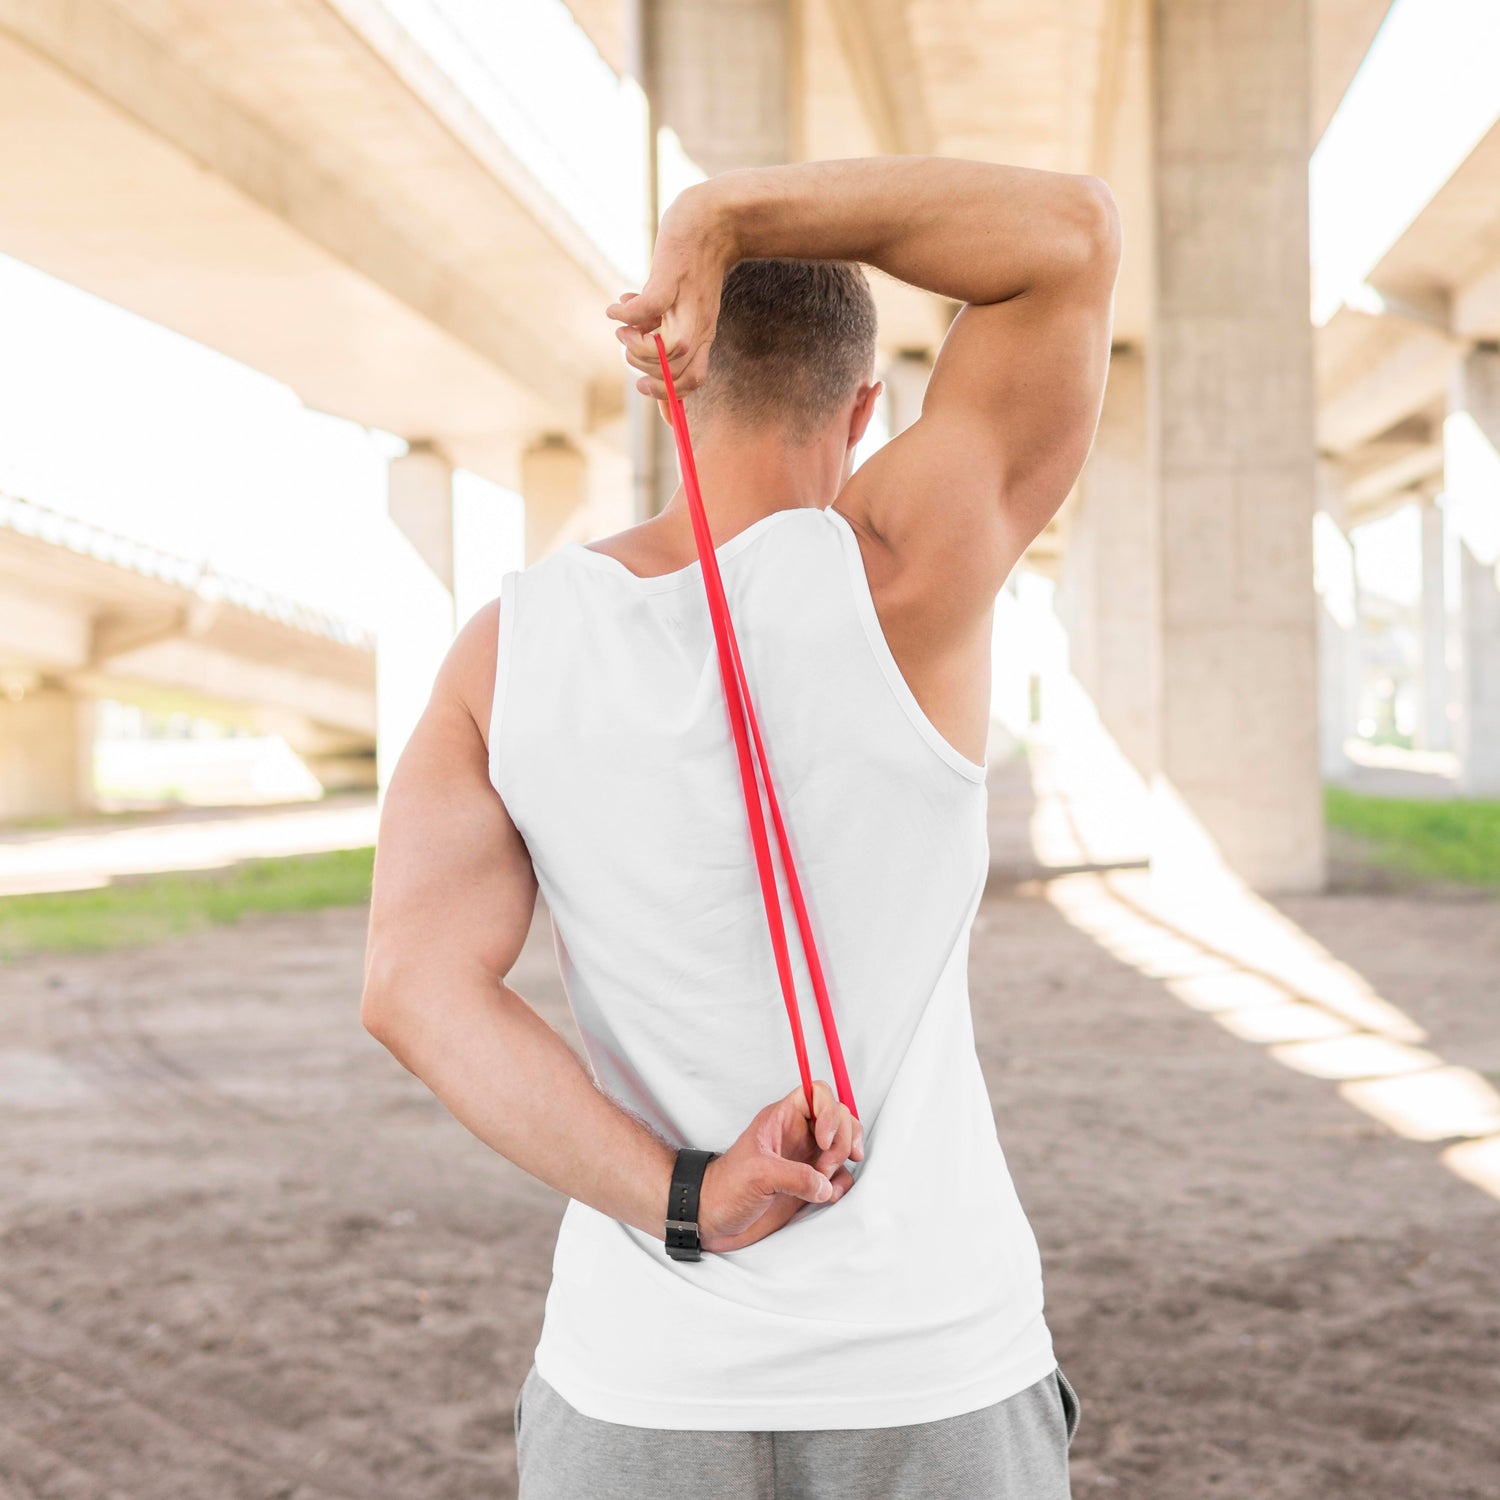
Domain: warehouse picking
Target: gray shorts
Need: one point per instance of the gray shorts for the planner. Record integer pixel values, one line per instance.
(1016, 1449)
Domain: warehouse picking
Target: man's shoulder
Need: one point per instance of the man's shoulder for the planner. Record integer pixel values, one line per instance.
(467, 676)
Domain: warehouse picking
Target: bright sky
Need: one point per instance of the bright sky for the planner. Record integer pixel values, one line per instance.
(115, 420)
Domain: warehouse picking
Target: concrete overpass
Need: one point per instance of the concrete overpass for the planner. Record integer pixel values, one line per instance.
(86, 614)
(346, 196)
(1409, 412)
(356, 196)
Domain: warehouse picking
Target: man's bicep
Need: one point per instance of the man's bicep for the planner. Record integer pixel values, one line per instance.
(453, 876)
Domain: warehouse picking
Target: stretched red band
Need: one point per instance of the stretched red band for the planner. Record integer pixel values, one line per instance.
(746, 731)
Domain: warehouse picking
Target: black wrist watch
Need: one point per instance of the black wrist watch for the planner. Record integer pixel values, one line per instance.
(682, 1204)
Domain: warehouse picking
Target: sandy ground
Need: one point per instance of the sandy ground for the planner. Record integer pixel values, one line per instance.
(244, 1256)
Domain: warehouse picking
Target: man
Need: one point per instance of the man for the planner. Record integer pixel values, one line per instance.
(883, 1337)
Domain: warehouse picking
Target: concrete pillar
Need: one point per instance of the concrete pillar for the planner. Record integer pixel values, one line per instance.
(554, 484)
(46, 753)
(1231, 423)
(1478, 739)
(905, 381)
(1340, 654)
(1108, 570)
(417, 627)
(717, 74)
(1471, 480)
(1436, 723)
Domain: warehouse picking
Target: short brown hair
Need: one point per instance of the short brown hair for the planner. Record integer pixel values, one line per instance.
(795, 340)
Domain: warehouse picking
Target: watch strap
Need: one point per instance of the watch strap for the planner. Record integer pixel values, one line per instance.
(682, 1238)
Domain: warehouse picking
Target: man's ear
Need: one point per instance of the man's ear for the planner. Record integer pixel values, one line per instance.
(864, 409)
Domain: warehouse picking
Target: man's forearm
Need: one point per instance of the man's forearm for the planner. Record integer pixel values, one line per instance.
(511, 1080)
(971, 231)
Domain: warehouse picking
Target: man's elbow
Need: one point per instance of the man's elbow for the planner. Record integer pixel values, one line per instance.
(1093, 228)
(383, 1002)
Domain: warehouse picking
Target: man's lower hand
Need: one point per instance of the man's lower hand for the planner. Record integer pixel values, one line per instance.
(785, 1158)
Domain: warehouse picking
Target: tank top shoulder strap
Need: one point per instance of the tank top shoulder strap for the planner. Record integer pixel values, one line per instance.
(869, 619)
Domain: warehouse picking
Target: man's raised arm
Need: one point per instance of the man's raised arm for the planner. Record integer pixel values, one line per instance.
(1014, 399)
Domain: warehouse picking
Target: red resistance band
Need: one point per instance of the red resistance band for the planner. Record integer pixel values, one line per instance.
(746, 730)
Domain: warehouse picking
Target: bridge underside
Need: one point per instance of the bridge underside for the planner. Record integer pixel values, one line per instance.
(300, 185)
(85, 616)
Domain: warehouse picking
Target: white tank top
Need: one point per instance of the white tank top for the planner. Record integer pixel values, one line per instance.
(918, 1295)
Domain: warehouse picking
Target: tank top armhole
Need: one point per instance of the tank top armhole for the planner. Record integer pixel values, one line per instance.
(869, 618)
(504, 645)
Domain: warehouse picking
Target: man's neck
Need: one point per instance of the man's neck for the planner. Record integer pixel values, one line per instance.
(745, 476)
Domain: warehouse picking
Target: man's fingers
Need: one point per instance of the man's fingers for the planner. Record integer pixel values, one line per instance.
(822, 1097)
(644, 360)
(696, 371)
(796, 1179)
(641, 353)
(641, 309)
(835, 1124)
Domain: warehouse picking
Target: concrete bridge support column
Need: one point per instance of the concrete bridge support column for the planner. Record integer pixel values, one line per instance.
(1108, 570)
(1340, 659)
(1436, 724)
(555, 487)
(1479, 678)
(418, 625)
(1231, 411)
(46, 754)
(906, 380)
(1471, 477)
(718, 75)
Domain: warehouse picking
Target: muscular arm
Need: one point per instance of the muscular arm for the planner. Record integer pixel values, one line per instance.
(453, 899)
(1014, 399)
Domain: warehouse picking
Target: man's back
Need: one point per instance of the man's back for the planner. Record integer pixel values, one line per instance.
(844, 1312)
(608, 745)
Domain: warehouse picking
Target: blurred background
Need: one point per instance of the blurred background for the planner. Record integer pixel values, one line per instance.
(304, 347)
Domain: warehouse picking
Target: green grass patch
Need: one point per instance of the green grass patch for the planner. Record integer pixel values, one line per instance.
(1457, 840)
(149, 908)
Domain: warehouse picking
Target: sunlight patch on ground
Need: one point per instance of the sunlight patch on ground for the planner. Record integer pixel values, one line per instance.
(1223, 951)
(1228, 954)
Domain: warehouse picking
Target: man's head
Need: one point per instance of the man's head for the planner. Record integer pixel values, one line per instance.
(794, 350)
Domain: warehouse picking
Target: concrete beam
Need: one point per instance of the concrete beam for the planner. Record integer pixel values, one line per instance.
(93, 42)
(200, 678)
(1342, 33)
(1384, 472)
(1476, 306)
(882, 58)
(296, 254)
(40, 634)
(1386, 370)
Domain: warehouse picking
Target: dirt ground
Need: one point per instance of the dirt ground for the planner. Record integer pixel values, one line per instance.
(244, 1257)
